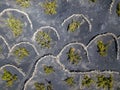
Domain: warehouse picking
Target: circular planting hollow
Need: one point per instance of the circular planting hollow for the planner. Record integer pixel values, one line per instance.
(10, 77)
(46, 37)
(15, 25)
(103, 52)
(76, 22)
(23, 52)
(74, 57)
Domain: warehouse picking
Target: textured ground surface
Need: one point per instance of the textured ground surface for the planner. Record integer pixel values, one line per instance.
(100, 23)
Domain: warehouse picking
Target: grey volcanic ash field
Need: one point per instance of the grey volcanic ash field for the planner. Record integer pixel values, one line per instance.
(59, 44)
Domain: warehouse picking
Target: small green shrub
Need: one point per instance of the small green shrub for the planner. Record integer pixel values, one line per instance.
(23, 3)
(48, 69)
(73, 26)
(9, 78)
(50, 7)
(39, 86)
(87, 81)
(42, 86)
(118, 9)
(105, 82)
(43, 39)
(15, 25)
(73, 56)
(70, 81)
(102, 48)
(49, 87)
(1, 49)
(21, 52)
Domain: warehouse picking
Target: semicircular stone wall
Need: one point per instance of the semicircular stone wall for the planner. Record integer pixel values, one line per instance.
(59, 44)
